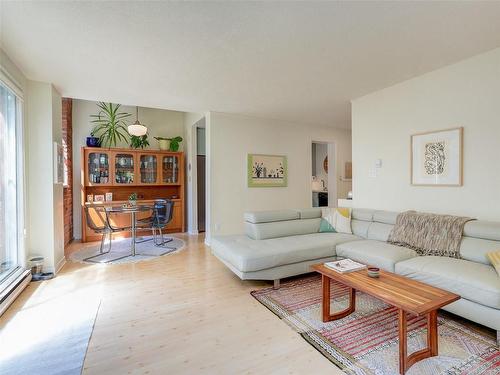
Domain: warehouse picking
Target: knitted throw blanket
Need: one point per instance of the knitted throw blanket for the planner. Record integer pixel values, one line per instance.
(429, 234)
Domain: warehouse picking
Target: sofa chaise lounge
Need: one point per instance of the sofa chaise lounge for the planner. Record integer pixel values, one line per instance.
(284, 243)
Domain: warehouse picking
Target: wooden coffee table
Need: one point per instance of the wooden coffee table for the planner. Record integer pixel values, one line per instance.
(408, 295)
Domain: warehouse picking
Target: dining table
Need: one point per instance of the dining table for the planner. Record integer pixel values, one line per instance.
(133, 211)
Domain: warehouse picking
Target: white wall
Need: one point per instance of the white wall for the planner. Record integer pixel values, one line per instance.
(160, 122)
(58, 189)
(464, 94)
(45, 212)
(230, 138)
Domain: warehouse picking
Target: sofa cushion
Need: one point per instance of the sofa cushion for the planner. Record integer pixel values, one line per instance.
(473, 281)
(277, 229)
(488, 230)
(309, 213)
(375, 253)
(362, 214)
(385, 217)
(475, 249)
(360, 227)
(270, 216)
(249, 255)
(379, 231)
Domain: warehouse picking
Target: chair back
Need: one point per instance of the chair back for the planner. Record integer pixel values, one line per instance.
(96, 217)
(163, 211)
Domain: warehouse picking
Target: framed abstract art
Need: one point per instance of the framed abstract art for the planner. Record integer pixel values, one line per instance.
(436, 158)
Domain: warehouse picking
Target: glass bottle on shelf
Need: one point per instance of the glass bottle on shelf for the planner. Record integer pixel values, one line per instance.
(148, 169)
(170, 169)
(124, 168)
(98, 168)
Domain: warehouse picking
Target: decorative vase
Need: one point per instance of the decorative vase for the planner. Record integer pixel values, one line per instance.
(164, 144)
(132, 202)
(93, 142)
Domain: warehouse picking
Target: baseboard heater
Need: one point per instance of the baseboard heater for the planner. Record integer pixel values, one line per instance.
(14, 289)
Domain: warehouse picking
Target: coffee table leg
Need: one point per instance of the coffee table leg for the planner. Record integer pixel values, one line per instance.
(327, 317)
(432, 333)
(402, 341)
(325, 281)
(405, 360)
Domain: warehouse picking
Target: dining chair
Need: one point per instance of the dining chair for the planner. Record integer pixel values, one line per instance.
(161, 217)
(95, 217)
(98, 219)
(163, 214)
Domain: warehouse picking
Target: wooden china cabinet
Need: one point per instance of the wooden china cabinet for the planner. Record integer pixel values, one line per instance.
(151, 174)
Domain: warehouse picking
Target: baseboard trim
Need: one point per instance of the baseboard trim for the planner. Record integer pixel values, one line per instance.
(60, 264)
(22, 282)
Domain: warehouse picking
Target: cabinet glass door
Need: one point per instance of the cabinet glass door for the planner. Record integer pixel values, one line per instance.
(124, 168)
(170, 169)
(98, 168)
(148, 169)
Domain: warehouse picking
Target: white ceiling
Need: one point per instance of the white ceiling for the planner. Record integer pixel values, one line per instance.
(301, 62)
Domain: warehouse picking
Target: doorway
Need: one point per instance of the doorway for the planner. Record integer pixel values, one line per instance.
(323, 181)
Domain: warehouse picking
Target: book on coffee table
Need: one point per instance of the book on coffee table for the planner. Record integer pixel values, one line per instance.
(345, 265)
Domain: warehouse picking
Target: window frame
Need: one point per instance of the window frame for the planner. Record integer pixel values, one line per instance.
(11, 279)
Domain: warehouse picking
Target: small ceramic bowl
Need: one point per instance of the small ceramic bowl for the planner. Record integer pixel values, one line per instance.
(373, 271)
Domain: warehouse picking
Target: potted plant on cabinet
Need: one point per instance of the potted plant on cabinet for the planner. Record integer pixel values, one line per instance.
(93, 141)
(139, 141)
(110, 125)
(169, 144)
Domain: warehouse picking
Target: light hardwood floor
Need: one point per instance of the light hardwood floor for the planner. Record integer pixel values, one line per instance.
(184, 313)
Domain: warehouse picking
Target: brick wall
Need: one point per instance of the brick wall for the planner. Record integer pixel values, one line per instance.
(67, 134)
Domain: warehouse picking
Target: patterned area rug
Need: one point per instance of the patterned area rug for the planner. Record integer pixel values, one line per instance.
(366, 342)
(121, 248)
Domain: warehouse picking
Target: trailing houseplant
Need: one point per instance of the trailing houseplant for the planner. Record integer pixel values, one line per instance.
(110, 125)
(139, 141)
(171, 144)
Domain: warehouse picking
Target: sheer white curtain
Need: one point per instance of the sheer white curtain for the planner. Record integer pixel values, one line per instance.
(9, 218)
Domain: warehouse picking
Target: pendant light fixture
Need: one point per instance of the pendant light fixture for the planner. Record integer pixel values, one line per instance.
(137, 128)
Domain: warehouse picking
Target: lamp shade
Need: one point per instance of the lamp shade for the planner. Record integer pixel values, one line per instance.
(137, 129)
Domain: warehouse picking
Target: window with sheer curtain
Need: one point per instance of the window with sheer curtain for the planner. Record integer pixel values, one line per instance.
(9, 192)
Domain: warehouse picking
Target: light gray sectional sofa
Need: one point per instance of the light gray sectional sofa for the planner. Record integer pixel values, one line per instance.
(285, 243)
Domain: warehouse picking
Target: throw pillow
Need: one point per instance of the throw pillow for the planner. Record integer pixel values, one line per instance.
(338, 218)
(343, 220)
(494, 258)
(325, 226)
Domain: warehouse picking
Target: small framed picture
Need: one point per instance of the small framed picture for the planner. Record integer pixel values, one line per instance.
(109, 197)
(267, 170)
(99, 198)
(90, 198)
(59, 176)
(436, 158)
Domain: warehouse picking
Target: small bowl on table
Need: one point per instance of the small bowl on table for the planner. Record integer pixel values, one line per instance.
(373, 271)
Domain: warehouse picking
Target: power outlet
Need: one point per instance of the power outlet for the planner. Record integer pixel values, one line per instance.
(217, 227)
